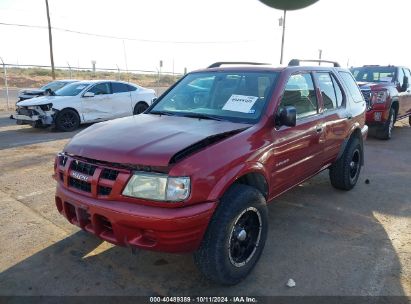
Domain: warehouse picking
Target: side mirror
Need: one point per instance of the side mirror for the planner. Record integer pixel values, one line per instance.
(287, 117)
(88, 94)
(153, 99)
(405, 84)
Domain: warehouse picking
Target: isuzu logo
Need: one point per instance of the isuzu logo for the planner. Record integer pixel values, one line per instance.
(79, 176)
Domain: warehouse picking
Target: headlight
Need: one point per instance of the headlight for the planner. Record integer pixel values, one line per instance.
(46, 107)
(378, 97)
(158, 187)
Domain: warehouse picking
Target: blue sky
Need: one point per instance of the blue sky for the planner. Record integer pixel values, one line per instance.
(354, 32)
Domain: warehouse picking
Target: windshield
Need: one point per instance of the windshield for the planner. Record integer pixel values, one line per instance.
(232, 96)
(54, 86)
(72, 89)
(374, 74)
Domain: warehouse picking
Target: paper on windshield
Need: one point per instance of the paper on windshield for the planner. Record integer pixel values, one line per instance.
(240, 103)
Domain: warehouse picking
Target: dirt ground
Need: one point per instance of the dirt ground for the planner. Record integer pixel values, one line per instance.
(329, 242)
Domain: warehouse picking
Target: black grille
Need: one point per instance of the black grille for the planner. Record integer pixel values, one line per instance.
(104, 190)
(109, 174)
(27, 112)
(80, 185)
(83, 167)
(367, 97)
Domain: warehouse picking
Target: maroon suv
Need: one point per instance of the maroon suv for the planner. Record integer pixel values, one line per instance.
(386, 90)
(195, 172)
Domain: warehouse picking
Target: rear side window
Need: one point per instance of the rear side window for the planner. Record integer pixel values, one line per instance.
(131, 88)
(330, 91)
(352, 86)
(119, 87)
(299, 93)
(101, 89)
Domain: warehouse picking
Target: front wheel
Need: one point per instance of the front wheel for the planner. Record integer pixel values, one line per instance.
(67, 120)
(386, 131)
(235, 237)
(344, 172)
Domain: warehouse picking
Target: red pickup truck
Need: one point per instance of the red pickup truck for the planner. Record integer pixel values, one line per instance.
(387, 92)
(195, 171)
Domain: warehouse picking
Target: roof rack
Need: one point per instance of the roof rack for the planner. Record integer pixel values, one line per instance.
(218, 64)
(296, 62)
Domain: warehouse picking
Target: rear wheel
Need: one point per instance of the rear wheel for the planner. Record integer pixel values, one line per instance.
(67, 120)
(235, 237)
(344, 172)
(140, 108)
(386, 131)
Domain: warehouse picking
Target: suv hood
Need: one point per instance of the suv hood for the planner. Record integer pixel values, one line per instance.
(38, 101)
(147, 139)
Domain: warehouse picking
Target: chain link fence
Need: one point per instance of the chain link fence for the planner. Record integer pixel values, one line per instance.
(15, 77)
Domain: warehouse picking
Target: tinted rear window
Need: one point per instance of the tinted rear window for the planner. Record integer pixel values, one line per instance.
(350, 83)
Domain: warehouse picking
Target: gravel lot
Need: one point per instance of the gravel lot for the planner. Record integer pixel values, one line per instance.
(330, 242)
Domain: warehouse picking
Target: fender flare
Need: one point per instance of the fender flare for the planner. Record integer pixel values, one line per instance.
(344, 145)
(230, 177)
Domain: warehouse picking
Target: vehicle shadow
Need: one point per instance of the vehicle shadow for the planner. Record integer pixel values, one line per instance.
(12, 135)
(330, 242)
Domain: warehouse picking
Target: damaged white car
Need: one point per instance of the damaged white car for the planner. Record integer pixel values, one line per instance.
(84, 102)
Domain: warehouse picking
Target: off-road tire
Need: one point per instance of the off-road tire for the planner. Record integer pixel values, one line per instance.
(67, 120)
(386, 131)
(140, 108)
(223, 257)
(345, 171)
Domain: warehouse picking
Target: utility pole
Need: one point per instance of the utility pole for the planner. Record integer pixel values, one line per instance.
(5, 81)
(282, 23)
(320, 53)
(53, 74)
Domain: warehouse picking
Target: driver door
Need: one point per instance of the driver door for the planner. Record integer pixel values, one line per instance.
(298, 151)
(100, 106)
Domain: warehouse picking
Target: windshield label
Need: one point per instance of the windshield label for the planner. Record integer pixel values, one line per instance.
(240, 103)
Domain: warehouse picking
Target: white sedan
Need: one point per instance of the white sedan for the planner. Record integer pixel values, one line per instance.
(84, 102)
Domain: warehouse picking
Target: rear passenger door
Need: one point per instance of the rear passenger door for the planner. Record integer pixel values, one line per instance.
(298, 150)
(122, 104)
(336, 117)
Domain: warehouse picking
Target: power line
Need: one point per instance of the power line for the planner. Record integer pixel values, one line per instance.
(125, 38)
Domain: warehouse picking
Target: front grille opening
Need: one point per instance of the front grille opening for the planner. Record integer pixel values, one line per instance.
(85, 217)
(61, 176)
(104, 190)
(71, 212)
(80, 185)
(83, 167)
(109, 174)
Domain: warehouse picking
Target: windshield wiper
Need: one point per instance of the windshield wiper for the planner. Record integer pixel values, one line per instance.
(202, 116)
(161, 113)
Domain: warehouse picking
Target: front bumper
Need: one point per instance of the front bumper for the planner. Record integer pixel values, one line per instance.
(133, 225)
(376, 117)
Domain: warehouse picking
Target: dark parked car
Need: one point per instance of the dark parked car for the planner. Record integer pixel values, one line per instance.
(387, 92)
(53, 86)
(194, 173)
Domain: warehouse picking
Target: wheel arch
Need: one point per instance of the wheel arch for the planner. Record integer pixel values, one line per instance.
(355, 133)
(396, 106)
(70, 108)
(252, 175)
